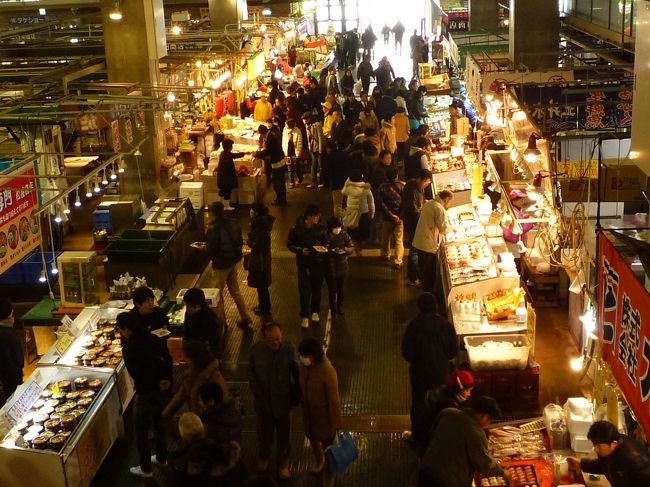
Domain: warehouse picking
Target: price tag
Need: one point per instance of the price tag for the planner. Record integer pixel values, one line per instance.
(495, 219)
(63, 343)
(23, 401)
(67, 322)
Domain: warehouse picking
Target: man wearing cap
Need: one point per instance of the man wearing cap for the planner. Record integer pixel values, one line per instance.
(513, 234)
(273, 150)
(453, 394)
(263, 111)
(459, 447)
(428, 345)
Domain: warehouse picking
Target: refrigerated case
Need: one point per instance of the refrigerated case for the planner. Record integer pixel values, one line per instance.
(77, 279)
(74, 463)
(66, 350)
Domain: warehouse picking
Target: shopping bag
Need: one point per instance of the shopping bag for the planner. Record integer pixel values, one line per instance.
(341, 453)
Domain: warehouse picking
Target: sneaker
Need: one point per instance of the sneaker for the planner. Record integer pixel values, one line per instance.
(315, 317)
(292, 185)
(154, 460)
(385, 258)
(311, 186)
(416, 283)
(407, 435)
(321, 185)
(304, 323)
(138, 472)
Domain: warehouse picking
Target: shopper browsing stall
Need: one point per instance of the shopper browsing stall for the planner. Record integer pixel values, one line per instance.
(431, 227)
(150, 365)
(226, 173)
(392, 227)
(145, 314)
(11, 351)
(336, 266)
(201, 322)
(412, 202)
(292, 147)
(359, 210)
(263, 109)
(272, 149)
(623, 460)
(221, 416)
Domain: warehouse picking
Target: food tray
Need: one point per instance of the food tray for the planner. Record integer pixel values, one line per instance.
(497, 352)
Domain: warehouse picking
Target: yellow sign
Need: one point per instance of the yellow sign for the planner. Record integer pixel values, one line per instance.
(578, 169)
(63, 343)
(255, 65)
(19, 225)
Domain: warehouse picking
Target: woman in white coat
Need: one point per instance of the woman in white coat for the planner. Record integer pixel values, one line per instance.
(359, 209)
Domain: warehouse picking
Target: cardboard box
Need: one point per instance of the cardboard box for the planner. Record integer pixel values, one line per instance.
(193, 191)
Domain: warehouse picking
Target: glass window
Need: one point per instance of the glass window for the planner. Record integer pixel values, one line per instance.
(335, 13)
(629, 17)
(583, 9)
(616, 16)
(322, 13)
(322, 27)
(351, 11)
(600, 12)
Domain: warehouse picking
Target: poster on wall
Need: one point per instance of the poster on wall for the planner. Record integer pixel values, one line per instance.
(19, 229)
(556, 108)
(623, 311)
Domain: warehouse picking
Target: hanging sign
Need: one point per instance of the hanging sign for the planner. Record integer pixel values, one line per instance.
(115, 136)
(623, 318)
(555, 108)
(19, 233)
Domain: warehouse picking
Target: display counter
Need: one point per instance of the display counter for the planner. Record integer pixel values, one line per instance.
(95, 344)
(58, 427)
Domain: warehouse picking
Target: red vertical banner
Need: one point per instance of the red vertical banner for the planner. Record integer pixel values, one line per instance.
(624, 322)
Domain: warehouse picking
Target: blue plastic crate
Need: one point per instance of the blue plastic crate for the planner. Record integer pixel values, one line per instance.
(32, 265)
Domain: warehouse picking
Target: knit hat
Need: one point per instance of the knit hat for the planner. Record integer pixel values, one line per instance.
(427, 302)
(461, 379)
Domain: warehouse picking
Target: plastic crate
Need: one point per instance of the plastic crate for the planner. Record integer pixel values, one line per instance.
(161, 235)
(494, 356)
(131, 250)
(32, 265)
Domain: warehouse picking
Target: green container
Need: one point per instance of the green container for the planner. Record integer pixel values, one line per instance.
(128, 250)
(133, 234)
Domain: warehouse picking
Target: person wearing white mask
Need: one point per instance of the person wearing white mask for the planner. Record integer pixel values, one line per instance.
(336, 267)
(321, 405)
(11, 351)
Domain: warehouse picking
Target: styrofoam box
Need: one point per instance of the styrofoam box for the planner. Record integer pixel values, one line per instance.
(579, 425)
(497, 357)
(247, 183)
(580, 406)
(581, 444)
(193, 191)
(211, 296)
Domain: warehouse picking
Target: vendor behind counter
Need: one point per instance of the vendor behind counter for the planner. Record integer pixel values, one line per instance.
(145, 313)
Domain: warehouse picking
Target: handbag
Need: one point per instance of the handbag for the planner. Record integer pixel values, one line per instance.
(341, 453)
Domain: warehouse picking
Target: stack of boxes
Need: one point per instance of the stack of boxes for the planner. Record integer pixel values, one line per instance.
(579, 413)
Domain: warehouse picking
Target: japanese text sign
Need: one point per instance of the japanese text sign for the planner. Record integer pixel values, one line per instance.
(623, 310)
(19, 229)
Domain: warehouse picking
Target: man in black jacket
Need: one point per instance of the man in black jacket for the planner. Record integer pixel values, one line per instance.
(273, 151)
(224, 243)
(201, 322)
(412, 201)
(150, 365)
(11, 351)
(351, 109)
(145, 314)
(428, 345)
(336, 165)
(308, 240)
(623, 460)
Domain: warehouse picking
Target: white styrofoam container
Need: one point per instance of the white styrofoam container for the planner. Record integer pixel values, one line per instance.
(579, 425)
(193, 191)
(580, 406)
(211, 296)
(497, 358)
(581, 444)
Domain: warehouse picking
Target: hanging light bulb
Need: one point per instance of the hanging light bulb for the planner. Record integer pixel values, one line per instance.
(97, 189)
(43, 277)
(104, 180)
(122, 166)
(576, 363)
(66, 211)
(55, 269)
(77, 200)
(58, 219)
(198, 63)
(190, 83)
(212, 64)
(171, 98)
(176, 30)
(116, 12)
(89, 193)
(113, 176)
(532, 152)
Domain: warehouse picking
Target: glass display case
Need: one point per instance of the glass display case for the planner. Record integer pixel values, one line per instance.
(59, 425)
(77, 279)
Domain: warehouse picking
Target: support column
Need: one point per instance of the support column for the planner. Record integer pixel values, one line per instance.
(640, 151)
(484, 14)
(133, 47)
(534, 34)
(227, 13)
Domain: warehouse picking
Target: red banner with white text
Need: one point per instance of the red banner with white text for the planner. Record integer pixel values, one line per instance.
(624, 322)
(19, 233)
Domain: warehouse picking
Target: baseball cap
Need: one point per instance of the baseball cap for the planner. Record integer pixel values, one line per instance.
(516, 194)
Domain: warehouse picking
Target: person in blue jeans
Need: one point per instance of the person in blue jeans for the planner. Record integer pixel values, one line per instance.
(412, 202)
(308, 240)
